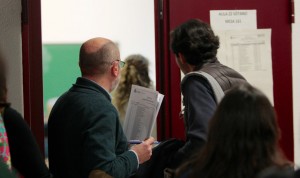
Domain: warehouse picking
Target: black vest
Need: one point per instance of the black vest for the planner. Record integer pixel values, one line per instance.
(225, 76)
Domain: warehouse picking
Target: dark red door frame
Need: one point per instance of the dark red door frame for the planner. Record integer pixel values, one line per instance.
(32, 68)
(167, 77)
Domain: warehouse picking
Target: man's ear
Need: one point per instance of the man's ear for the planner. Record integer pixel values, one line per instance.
(182, 58)
(115, 70)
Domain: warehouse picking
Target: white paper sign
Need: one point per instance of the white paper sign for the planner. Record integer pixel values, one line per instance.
(233, 19)
(249, 52)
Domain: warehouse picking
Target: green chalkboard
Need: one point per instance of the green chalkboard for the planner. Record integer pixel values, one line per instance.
(60, 70)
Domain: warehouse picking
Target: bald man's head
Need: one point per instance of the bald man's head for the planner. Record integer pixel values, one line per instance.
(96, 56)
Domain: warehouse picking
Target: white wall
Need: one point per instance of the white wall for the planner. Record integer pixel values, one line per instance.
(11, 50)
(130, 23)
(296, 79)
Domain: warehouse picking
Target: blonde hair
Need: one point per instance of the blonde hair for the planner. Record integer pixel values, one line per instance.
(135, 72)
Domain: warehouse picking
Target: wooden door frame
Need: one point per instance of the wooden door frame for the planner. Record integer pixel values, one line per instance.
(168, 123)
(33, 69)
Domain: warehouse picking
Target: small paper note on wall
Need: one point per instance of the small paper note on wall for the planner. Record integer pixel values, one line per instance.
(233, 19)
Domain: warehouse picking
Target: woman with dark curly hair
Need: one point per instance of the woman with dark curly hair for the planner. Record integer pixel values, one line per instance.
(135, 72)
(242, 140)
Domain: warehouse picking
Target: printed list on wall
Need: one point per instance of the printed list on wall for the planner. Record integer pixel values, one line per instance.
(245, 48)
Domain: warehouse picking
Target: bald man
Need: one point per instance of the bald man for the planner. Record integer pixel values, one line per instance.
(84, 133)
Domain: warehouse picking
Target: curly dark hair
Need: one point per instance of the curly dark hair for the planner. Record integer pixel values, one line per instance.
(196, 41)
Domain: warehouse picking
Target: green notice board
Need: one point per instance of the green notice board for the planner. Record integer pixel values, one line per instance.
(60, 70)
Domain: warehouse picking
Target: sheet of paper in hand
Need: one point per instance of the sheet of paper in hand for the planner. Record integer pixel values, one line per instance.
(141, 113)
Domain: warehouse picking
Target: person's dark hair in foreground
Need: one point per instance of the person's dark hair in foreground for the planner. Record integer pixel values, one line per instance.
(242, 139)
(297, 173)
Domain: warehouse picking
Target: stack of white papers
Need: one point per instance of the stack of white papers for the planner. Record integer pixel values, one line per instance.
(141, 113)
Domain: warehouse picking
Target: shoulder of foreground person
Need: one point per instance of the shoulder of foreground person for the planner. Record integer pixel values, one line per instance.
(25, 153)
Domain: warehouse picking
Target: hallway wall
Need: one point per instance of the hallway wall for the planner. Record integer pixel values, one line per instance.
(11, 50)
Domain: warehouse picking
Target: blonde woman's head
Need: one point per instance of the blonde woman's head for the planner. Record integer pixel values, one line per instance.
(135, 72)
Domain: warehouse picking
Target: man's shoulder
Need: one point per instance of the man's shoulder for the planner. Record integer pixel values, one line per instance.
(194, 79)
(89, 89)
(12, 113)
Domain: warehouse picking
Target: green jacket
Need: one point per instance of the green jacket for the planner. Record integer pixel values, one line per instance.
(85, 134)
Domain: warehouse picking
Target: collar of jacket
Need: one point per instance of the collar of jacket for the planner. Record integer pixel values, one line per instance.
(89, 84)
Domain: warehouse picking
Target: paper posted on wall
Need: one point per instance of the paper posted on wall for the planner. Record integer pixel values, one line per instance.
(141, 113)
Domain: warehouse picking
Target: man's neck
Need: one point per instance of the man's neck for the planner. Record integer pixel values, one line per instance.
(100, 81)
